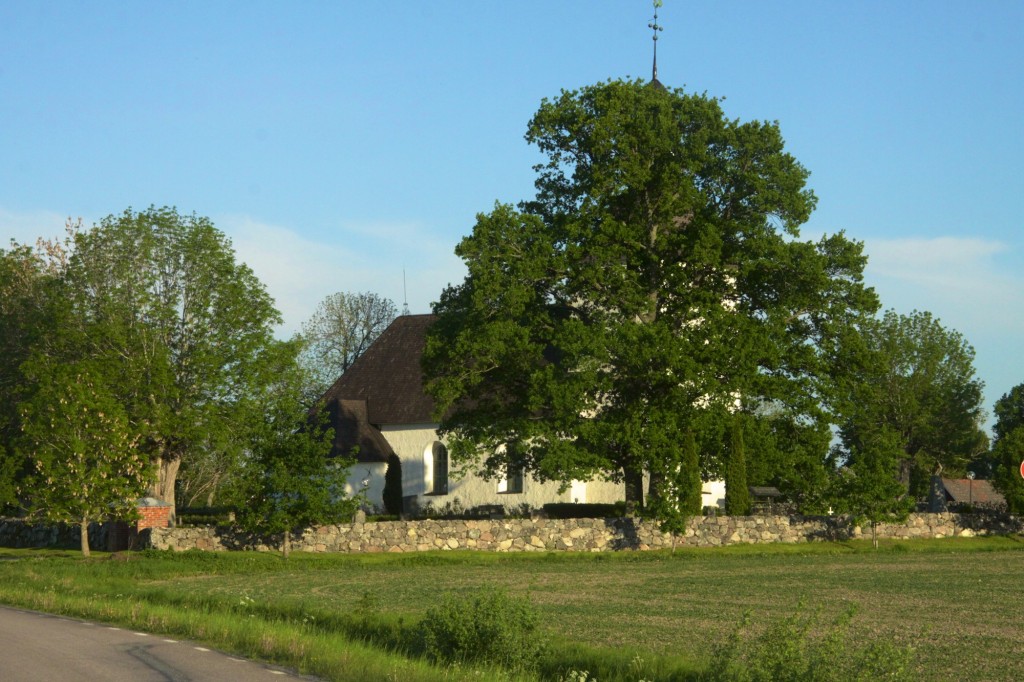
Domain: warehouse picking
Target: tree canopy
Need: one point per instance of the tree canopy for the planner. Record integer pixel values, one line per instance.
(655, 284)
(289, 480)
(919, 385)
(84, 458)
(339, 331)
(153, 301)
(1007, 453)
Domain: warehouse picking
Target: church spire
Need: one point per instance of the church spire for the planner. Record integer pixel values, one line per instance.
(656, 28)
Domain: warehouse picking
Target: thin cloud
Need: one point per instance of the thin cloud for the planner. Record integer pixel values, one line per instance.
(959, 279)
(300, 272)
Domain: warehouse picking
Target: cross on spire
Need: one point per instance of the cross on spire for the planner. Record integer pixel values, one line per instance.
(656, 28)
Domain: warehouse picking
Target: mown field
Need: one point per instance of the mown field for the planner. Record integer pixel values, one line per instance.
(959, 602)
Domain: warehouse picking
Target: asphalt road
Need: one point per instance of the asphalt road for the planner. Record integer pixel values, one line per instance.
(37, 646)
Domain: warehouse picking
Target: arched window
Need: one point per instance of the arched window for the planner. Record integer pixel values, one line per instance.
(513, 479)
(436, 469)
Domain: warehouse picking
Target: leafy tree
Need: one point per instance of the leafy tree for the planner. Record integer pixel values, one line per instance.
(790, 454)
(656, 276)
(1007, 456)
(869, 489)
(675, 482)
(291, 481)
(86, 462)
(1009, 412)
(26, 326)
(342, 328)
(1008, 448)
(919, 385)
(737, 494)
(160, 298)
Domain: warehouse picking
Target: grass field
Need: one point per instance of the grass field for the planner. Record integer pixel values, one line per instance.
(958, 602)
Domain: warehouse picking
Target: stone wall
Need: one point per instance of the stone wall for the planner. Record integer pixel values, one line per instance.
(583, 535)
(20, 533)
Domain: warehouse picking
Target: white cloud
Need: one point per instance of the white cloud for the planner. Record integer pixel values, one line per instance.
(966, 283)
(958, 279)
(299, 272)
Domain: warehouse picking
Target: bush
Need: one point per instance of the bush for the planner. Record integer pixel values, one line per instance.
(489, 627)
(799, 649)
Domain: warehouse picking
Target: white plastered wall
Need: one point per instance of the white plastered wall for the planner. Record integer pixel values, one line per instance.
(411, 443)
(368, 477)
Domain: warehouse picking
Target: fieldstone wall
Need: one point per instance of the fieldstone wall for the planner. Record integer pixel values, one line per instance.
(20, 533)
(579, 535)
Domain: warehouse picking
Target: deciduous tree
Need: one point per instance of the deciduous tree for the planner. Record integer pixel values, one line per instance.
(291, 481)
(869, 489)
(26, 326)
(342, 328)
(918, 385)
(189, 327)
(656, 278)
(86, 464)
(1008, 448)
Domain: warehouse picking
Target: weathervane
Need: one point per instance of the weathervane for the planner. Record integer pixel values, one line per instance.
(655, 27)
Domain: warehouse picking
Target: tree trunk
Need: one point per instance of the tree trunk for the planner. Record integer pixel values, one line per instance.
(163, 487)
(634, 490)
(85, 536)
(213, 490)
(874, 535)
(286, 546)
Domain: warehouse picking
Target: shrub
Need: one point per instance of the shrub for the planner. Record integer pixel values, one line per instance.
(799, 649)
(489, 627)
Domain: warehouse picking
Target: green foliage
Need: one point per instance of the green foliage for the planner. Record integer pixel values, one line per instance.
(489, 626)
(393, 486)
(186, 329)
(86, 462)
(1008, 454)
(655, 276)
(1009, 412)
(737, 493)
(799, 648)
(27, 326)
(290, 480)
(1008, 448)
(691, 501)
(918, 384)
(869, 489)
(173, 328)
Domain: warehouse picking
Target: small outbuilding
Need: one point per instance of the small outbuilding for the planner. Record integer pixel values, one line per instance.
(953, 494)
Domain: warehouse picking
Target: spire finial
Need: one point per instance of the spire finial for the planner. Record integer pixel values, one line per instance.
(656, 28)
(405, 295)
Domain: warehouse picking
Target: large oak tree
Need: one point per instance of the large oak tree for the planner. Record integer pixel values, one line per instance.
(655, 284)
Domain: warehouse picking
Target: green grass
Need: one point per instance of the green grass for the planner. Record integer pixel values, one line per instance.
(956, 601)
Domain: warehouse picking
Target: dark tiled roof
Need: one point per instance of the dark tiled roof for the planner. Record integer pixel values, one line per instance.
(388, 376)
(353, 430)
(967, 491)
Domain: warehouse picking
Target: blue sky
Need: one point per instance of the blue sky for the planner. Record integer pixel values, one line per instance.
(338, 143)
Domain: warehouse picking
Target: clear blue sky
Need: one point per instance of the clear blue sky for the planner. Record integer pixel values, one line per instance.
(339, 143)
